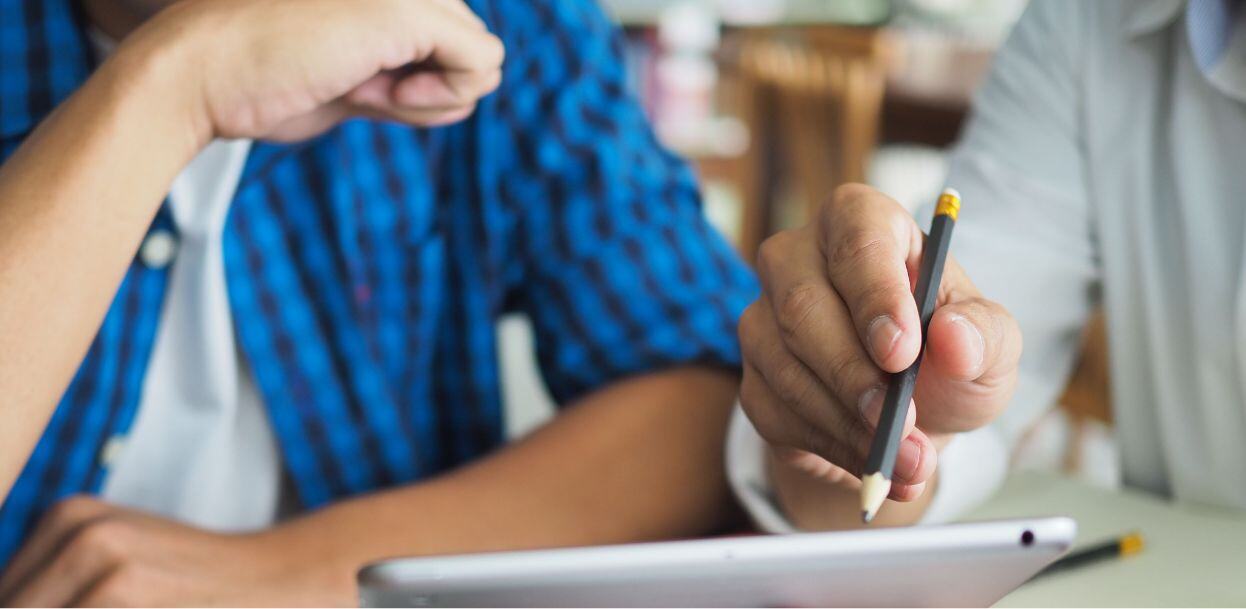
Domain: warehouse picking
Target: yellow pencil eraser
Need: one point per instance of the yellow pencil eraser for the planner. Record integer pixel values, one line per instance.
(949, 203)
(1132, 544)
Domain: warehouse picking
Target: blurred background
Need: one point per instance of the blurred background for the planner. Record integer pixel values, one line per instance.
(776, 102)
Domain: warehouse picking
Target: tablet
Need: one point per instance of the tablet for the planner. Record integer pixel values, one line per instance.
(973, 564)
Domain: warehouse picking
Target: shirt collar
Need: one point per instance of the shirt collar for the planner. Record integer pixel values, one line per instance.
(1216, 30)
(1146, 16)
(44, 57)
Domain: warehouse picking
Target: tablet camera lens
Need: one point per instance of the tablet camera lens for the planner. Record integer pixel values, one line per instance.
(1027, 538)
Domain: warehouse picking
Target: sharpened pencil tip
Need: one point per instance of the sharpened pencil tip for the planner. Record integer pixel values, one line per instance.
(874, 490)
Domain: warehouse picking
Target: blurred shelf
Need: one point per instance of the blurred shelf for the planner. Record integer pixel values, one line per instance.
(930, 86)
(722, 137)
(748, 13)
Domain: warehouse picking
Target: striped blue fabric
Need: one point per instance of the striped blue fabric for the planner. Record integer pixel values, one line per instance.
(367, 268)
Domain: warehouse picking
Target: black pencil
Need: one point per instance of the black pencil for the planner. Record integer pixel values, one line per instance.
(1125, 545)
(879, 466)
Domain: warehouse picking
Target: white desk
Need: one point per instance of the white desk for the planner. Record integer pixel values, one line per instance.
(1194, 556)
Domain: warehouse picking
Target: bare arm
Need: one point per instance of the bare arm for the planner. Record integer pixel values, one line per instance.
(639, 460)
(76, 198)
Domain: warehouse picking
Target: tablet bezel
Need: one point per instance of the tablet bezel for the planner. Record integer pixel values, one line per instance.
(959, 564)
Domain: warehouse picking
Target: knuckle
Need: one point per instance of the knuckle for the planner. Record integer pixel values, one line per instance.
(72, 508)
(496, 51)
(858, 246)
(826, 447)
(751, 332)
(748, 395)
(849, 194)
(467, 110)
(797, 304)
(862, 205)
(846, 457)
(1000, 329)
(103, 538)
(792, 383)
(747, 328)
(758, 411)
(751, 392)
(813, 441)
(877, 298)
(127, 579)
(120, 588)
(773, 253)
(1005, 322)
(494, 80)
(848, 375)
(1018, 338)
(833, 449)
(850, 200)
(995, 319)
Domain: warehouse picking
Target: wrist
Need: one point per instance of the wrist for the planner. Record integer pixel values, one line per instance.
(154, 68)
(297, 555)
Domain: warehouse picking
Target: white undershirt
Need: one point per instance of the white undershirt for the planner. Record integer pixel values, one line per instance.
(201, 449)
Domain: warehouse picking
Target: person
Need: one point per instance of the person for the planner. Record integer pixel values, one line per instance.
(241, 393)
(1099, 169)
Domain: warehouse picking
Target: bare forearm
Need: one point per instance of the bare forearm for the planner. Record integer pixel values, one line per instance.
(639, 460)
(75, 200)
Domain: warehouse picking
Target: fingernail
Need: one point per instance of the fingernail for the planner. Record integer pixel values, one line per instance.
(907, 492)
(882, 334)
(908, 459)
(979, 342)
(871, 405)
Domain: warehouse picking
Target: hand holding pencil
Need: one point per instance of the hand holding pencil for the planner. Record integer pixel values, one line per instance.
(836, 320)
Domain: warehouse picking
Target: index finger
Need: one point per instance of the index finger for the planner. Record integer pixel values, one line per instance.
(440, 34)
(466, 48)
(870, 243)
(59, 522)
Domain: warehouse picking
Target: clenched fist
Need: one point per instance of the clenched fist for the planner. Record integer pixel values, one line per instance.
(290, 69)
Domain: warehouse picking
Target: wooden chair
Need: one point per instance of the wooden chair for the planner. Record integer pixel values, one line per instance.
(812, 97)
(1088, 397)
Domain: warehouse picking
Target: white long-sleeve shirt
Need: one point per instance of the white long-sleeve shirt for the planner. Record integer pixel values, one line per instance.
(1105, 163)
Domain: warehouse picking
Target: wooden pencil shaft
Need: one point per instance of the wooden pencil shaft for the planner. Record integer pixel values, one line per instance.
(882, 456)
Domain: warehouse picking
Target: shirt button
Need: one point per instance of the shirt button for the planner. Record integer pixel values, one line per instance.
(158, 249)
(112, 450)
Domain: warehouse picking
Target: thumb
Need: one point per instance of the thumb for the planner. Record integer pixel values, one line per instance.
(973, 347)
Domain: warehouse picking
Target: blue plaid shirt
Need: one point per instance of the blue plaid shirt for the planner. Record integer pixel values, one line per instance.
(366, 268)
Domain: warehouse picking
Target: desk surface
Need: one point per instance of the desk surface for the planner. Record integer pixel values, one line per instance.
(1194, 556)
